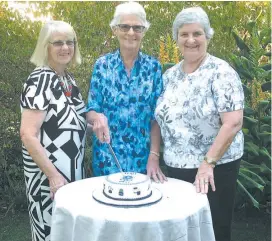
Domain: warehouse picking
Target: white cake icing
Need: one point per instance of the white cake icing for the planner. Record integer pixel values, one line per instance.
(127, 186)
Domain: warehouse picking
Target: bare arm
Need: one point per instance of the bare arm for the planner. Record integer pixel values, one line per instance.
(31, 123)
(155, 137)
(231, 123)
(99, 124)
(153, 167)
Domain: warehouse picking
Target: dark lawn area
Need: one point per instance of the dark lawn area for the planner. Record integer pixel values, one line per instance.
(251, 225)
(248, 225)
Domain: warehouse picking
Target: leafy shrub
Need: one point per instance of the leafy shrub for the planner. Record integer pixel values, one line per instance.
(253, 64)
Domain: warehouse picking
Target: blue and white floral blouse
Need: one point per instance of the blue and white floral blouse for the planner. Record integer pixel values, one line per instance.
(188, 112)
(129, 104)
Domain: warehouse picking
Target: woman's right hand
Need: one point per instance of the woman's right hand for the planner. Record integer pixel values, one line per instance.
(204, 178)
(56, 182)
(100, 127)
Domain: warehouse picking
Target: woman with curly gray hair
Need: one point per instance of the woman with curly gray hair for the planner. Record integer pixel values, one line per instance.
(200, 114)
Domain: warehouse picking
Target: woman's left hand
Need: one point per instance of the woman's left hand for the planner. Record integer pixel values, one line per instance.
(204, 178)
(153, 169)
(55, 183)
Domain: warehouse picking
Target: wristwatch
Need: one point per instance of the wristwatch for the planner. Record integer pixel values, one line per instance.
(210, 161)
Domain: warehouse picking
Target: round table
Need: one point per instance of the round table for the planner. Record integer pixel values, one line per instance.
(181, 215)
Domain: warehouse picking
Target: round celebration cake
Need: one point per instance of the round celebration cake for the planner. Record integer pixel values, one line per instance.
(128, 189)
(127, 186)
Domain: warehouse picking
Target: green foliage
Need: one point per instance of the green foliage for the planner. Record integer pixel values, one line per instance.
(15, 45)
(255, 173)
(167, 66)
(11, 171)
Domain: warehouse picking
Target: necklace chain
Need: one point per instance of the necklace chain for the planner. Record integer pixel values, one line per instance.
(65, 82)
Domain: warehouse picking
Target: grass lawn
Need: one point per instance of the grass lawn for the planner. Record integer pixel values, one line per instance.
(247, 226)
(15, 227)
(251, 225)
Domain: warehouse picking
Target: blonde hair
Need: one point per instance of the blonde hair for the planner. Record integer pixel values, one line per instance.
(129, 8)
(40, 54)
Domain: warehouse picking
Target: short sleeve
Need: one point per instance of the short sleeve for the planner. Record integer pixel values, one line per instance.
(95, 97)
(157, 87)
(227, 90)
(36, 92)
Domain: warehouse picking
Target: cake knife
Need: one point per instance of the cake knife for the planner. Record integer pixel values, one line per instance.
(112, 152)
(114, 156)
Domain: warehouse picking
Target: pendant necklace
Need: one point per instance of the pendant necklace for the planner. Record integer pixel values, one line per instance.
(65, 82)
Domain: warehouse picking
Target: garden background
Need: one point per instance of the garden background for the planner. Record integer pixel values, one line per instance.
(242, 37)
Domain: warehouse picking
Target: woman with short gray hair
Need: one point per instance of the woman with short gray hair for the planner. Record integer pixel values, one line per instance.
(129, 8)
(192, 15)
(124, 88)
(200, 114)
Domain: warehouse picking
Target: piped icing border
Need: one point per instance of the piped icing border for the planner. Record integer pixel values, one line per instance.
(128, 199)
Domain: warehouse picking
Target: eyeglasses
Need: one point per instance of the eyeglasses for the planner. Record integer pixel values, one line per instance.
(136, 28)
(60, 43)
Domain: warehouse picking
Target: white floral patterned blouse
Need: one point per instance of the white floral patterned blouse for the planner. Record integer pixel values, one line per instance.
(188, 111)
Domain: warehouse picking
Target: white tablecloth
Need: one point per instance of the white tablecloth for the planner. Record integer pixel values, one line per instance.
(181, 215)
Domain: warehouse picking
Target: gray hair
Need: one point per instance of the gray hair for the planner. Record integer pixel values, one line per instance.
(40, 54)
(129, 8)
(192, 15)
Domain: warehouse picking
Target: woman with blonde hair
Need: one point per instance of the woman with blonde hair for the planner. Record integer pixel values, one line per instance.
(52, 123)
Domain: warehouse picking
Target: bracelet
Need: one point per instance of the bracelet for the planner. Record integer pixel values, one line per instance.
(210, 161)
(155, 153)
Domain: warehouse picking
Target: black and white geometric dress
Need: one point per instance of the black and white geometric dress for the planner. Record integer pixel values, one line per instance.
(62, 135)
